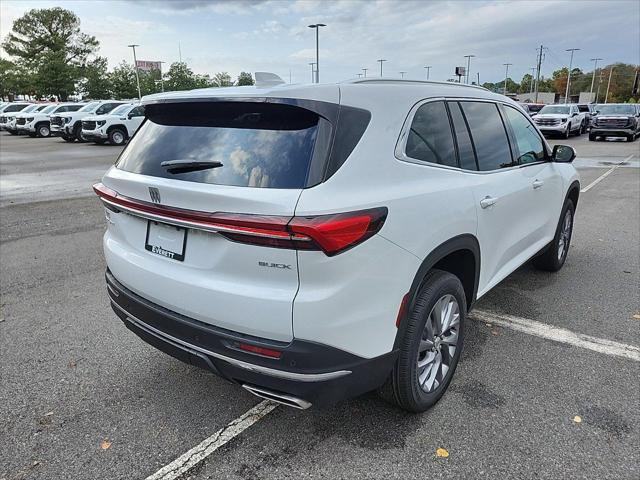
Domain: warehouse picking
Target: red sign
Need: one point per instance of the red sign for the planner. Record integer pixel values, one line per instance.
(147, 66)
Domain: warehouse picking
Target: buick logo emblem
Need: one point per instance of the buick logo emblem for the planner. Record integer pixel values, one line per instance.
(154, 193)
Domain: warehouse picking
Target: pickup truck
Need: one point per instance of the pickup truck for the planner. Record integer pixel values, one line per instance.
(69, 125)
(616, 120)
(116, 127)
(562, 119)
(37, 124)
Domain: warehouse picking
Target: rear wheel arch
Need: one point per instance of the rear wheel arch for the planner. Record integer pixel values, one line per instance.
(459, 256)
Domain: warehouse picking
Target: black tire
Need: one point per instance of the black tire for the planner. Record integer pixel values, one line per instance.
(583, 128)
(550, 259)
(13, 132)
(631, 138)
(77, 133)
(99, 141)
(402, 388)
(43, 130)
(66, 138)
(117, 136)
(567, 134)
(592, 137)
(32, 135)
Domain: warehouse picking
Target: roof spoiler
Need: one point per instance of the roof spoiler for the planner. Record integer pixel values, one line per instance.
(267, 79)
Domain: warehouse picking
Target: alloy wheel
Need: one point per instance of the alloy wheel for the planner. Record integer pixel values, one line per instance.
(565, 236)
(438, 343)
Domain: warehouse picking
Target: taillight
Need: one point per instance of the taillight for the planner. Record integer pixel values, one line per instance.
(332, 233)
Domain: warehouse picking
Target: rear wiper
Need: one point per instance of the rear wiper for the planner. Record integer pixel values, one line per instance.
(184, 166)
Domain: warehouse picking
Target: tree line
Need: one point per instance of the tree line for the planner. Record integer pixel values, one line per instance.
(52, 57)
(620, 90)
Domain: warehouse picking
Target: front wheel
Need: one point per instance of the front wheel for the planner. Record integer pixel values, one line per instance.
(43, 130)
(553, 258)
(69, 139)
(592, 137)
(631, 137)
(117, 136)
(567, 134)
(430, 346)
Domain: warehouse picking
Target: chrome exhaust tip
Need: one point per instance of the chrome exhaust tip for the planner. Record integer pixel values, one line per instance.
(281, 398)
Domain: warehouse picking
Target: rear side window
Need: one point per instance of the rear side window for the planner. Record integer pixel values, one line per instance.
(430, 138)
(488, 135)
(264, 145)
(466, 155)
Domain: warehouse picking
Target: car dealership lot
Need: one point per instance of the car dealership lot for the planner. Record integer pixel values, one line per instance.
(82, 397)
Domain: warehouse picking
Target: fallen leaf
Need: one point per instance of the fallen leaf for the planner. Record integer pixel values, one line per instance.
(105, 444)
(48, 414)
(72, 363)
(577, 419)
(488, 325)
(442, 453)
(636, 316)
(495, 333)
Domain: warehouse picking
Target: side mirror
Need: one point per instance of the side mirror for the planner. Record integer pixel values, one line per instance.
(563, 154)
(574, 114)
(130, 116)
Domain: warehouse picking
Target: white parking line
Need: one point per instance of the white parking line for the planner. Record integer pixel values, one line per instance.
(605, 175)
(190, 459)
(558, 334)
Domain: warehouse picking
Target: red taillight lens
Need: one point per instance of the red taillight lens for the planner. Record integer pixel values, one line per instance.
(332, 234)
(338, 232)
(265, 352)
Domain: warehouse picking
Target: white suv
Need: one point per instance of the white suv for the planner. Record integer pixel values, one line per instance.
(116, 127)
(312, 243)
(69, 125)
(38, 123)
(561, 120)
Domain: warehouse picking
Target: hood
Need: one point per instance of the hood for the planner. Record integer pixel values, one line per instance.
(613, 117)
(552, 115)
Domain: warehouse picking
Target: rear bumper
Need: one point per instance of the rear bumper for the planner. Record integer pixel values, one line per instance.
(316, 373)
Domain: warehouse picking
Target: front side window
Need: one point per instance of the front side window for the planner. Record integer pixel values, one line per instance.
(529, 146)
(49, 109)
(137, 112)
(121, 110)
(488, 135)
(429, 138)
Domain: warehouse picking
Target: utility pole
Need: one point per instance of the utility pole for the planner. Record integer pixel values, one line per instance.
(135, 63)
(179, 52)
(402, 74)
(538, 73)
(161, 78)
(566, 95)
(606, 97)
(365, 72)
(599, 83)
(313, 72)
(478, 74)
(506, 75)
(593, 77)
(317, 27)
(427, 68)
(381, 60)
(533, 72)
(468, 57)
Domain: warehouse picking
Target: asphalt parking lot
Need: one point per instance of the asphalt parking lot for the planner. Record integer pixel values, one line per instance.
(83, 398)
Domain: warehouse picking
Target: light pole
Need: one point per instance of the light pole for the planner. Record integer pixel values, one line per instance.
(468, 57)
(317, 27)
(566, 95)
(135, 63)
(312, 71)
(506, 75)
(381, 61)
(365, 72)
(402, 74)
(593, 77)
(161, 79)
(427, 68)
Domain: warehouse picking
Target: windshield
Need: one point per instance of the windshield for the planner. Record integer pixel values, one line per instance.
(257, 144)
(49, 108)
(30, 108)
(14, 107)
(90, 107)
(616, 110)
(121, 110)
(554, 109)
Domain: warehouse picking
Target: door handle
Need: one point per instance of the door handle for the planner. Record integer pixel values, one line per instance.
(488, 201)
(537, 183)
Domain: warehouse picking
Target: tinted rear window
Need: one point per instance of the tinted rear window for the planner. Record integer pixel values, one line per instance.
(259, 144)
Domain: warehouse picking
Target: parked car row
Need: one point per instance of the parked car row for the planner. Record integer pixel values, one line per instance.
(100, 121)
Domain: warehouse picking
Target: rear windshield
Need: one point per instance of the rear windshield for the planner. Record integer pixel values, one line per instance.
(258, 144)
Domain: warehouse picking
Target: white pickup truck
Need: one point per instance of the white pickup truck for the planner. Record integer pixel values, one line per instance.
(69, 125)
(561, 120)
(116, 127)
(37, 123)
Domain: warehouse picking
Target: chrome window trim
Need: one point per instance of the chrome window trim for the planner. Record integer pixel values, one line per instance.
(401, 143)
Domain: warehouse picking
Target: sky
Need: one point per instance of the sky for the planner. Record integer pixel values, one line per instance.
(272, 35)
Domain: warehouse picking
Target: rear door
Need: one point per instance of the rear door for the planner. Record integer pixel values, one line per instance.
(500, 193)
(261, 156)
